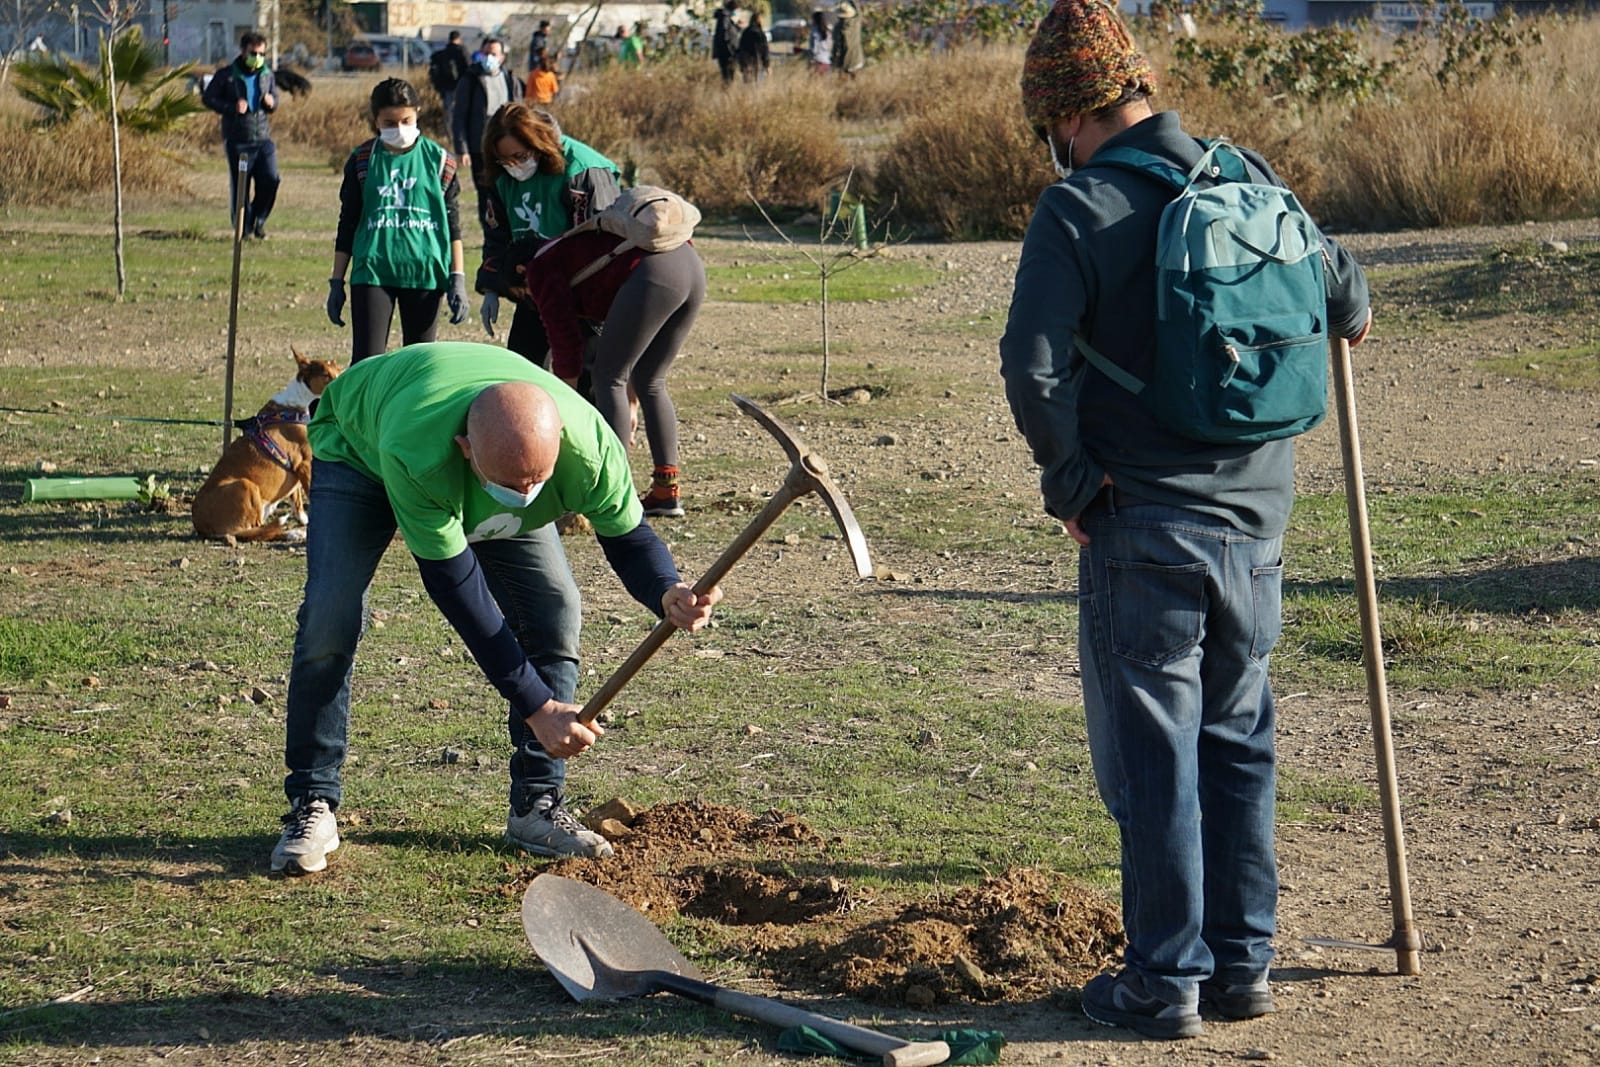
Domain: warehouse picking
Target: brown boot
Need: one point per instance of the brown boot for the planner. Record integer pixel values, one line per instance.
(663, 500)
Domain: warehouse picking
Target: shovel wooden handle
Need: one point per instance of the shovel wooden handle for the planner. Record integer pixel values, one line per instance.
(895, 1051)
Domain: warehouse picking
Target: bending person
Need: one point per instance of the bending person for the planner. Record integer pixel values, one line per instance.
(645, 303)
(471, 453)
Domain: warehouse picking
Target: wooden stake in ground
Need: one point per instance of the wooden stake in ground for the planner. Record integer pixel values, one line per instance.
(233, 299)
(1405, 940)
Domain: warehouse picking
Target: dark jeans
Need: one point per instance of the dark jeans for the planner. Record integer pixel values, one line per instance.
(1178, 613)
(352, 526)
(261, 177)
(372, 310)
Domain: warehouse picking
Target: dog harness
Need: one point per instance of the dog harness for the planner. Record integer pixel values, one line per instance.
(257, 425)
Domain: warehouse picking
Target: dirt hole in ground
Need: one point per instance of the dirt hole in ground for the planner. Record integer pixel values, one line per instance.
(759, 891)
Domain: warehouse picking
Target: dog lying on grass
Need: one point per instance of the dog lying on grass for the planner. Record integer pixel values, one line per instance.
(268, 463)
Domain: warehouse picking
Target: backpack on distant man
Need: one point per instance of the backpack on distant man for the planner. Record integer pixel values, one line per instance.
(1241, 304)
(646, 217)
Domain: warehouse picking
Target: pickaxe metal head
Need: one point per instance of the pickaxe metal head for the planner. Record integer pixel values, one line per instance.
(808, 473)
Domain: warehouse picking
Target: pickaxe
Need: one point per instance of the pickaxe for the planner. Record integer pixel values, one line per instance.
(808, 473)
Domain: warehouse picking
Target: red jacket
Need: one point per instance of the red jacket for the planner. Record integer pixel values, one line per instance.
(561, 304)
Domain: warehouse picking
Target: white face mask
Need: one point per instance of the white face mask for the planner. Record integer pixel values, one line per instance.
(400, 137)
(1063, 165)
(491, 64)
(522, 171)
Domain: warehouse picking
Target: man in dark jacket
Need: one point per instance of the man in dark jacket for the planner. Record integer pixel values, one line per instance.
(446, 69)
(1180, 567)
(245, 93)
(538, 44)
(725, 39)
(487, 87)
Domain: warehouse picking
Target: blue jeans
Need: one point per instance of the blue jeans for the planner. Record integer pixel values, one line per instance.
(261, 174)
(1178, 612)
(352, 525)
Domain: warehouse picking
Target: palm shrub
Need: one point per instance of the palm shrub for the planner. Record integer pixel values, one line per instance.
(150, 98)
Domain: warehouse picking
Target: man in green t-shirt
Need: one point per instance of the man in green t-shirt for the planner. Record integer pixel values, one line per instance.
(471, 453)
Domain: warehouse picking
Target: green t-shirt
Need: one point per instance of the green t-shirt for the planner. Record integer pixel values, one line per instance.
(536, 206)
(403, 238)
(395, 417)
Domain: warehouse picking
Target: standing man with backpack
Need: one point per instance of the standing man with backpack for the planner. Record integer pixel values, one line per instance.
(446, 69)
(245, 94)
(1179, 519)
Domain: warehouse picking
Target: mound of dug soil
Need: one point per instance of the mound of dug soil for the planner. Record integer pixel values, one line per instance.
(757, 888)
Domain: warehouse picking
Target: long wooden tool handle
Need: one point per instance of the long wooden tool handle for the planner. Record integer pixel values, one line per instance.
(240, 194)
(1406, 939)
(896, 1052)
(797, 484)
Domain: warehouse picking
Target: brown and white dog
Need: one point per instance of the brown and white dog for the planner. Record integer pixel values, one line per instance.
(269, 463)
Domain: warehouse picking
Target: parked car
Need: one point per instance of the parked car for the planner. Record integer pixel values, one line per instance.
(789, 36)
(359, 56)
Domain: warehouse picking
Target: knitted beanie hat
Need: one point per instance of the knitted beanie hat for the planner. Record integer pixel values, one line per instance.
(1081, 59)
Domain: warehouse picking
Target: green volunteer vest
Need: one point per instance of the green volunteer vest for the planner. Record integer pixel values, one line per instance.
(403, 239)
(535, 206)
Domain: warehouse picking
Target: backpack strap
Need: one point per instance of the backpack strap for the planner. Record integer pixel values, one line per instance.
(1153, 166)
(1106, 367)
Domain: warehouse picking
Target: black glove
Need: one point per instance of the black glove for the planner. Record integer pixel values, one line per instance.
(335, 300)
(457, 298)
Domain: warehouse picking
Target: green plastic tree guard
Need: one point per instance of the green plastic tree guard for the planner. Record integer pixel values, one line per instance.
(81, 489)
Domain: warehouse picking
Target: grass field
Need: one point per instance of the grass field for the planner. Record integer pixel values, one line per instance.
(926, 726)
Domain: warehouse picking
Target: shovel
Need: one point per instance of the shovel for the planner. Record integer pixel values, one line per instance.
(599, 948)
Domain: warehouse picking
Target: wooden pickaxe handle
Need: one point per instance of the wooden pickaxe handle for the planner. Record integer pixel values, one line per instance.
(808, 473)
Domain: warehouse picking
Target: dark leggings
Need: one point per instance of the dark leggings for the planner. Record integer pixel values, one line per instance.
(647, 324)
(372, 309)
(526, 336)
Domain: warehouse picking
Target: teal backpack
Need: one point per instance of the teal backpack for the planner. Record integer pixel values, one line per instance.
(1241, 305)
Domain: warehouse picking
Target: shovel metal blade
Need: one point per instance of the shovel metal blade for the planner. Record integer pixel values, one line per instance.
(571, 924)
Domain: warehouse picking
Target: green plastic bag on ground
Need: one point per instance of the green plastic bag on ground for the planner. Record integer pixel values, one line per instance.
(968, 1048)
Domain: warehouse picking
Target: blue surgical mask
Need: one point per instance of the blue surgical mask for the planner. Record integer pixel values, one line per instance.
(504, 495)
(491, 64)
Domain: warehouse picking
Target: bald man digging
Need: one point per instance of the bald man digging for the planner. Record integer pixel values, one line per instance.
(471, 453)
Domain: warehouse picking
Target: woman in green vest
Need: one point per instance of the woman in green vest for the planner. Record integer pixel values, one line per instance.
(545, 183)
(399, 230)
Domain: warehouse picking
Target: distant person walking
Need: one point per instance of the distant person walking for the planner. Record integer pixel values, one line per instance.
(538, 45)
(725, 39)
(631, 52)
(819, 48)
(399, 230)
(487, 87)
(445, 71)
(245, 93)
(848, 54)
(543, 84)
(754, 54)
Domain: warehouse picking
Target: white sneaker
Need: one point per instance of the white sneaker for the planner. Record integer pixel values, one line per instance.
(310, 832)
(550, 830)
